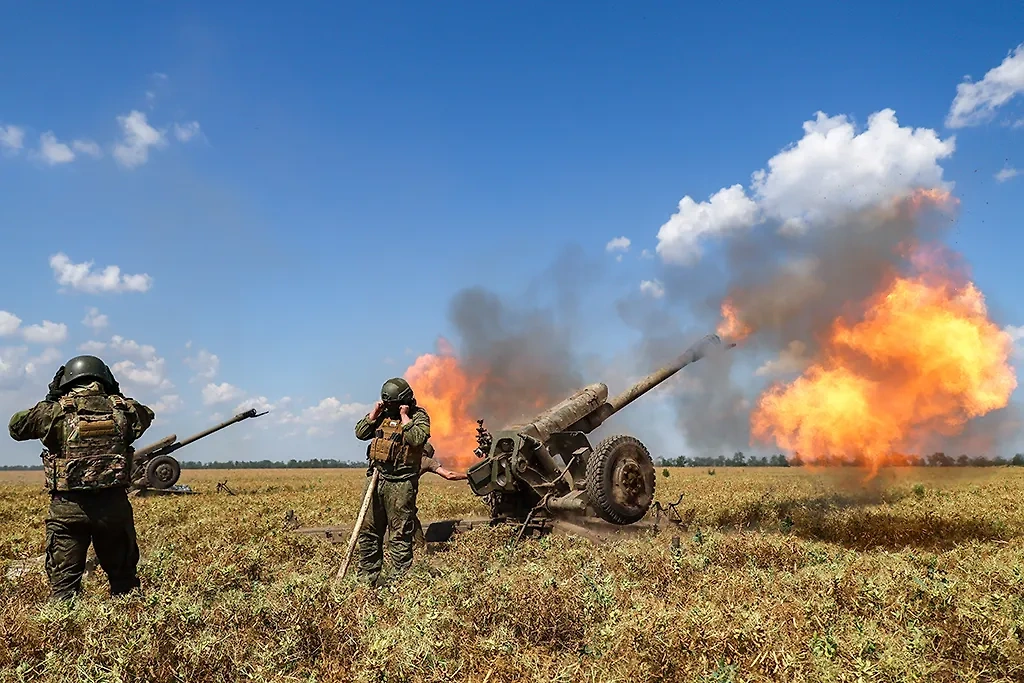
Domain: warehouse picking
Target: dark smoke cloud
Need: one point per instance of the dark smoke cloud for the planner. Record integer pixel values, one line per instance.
(708, 405)
(789, 288)
(524, 350)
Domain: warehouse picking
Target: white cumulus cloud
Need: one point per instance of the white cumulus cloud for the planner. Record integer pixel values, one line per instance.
(1006, 174)
(95, 320)
(260, 403)
(976, 103)
(137, 137)
(331, 410)
(618, 244)
(92, 347)
(82, 277)
(87, 147)
(130, 347)
(44, 362)
(9, 323)
(221, 393)
(20, 371)
(46, 332)
(726, 211)
(168, 403)
(832, 170)
(152, 374)
(187, 131)
(652, 288)
(12, 366)
(12, 138)
(204, 364)
(54, 152)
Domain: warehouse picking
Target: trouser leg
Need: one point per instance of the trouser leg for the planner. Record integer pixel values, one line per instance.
(400, 502)
(418, 537)
(117, 548)
(67, 543)
(370, 542)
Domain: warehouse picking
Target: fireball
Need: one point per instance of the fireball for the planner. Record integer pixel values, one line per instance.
(732, 328)
(447, 392)
(921, 361)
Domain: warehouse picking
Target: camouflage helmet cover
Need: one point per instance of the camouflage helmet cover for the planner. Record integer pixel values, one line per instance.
(87, 367)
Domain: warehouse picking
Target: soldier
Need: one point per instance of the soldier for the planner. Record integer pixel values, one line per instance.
(397, 430)
(429, 464)
(87, 427)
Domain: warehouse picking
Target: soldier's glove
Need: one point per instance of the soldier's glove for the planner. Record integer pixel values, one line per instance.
(53, 389)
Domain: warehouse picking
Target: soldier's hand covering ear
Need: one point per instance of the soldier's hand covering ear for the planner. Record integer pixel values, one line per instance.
(53, 389)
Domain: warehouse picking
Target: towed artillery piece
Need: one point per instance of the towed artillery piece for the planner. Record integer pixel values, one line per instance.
(154, 467)
(546, 471)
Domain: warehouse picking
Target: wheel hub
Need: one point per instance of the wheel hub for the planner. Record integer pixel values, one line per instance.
(629, 483)
(164, 473)
(631, 479)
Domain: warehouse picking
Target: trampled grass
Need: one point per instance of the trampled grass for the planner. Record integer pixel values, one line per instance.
(782, 574)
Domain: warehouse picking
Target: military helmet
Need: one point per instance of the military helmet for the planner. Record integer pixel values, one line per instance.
(86, 367)
(396, 390)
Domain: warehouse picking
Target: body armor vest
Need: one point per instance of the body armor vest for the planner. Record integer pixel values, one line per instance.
(388, 445)
(96, 452)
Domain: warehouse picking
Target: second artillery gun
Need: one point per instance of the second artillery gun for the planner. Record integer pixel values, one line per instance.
(537, 472)
(154, 467)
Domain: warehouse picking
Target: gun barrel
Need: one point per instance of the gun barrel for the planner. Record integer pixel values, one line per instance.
(162, 443)
(616, 403)
(216, 428)
(691, 355)
(568, 412)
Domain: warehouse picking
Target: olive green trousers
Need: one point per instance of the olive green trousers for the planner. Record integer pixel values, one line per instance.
(391, 513)
(103, 518)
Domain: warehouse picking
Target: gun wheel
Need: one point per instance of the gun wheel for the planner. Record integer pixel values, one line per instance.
(162, 472)
(621, 479)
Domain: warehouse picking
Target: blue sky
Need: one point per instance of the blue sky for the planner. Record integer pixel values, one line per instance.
(288, 173)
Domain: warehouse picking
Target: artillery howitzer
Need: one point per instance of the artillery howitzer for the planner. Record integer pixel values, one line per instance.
(544, 473)
(154, 467)
(546, 469)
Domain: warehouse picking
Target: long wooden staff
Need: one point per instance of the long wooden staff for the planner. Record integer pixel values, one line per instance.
(359, 523)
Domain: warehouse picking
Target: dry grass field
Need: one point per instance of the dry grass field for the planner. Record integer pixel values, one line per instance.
(782, 574)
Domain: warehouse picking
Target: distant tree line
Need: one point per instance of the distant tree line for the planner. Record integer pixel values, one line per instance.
(314, 464)
(738, 459)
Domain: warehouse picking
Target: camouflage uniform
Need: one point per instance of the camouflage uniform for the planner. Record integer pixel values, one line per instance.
(396, 451)
(87, 464)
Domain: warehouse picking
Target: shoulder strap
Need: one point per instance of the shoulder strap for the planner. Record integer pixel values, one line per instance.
(118, 403)
(67, 404)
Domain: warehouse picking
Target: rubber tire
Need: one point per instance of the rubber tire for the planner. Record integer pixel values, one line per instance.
(600, 468)
(156, 462)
